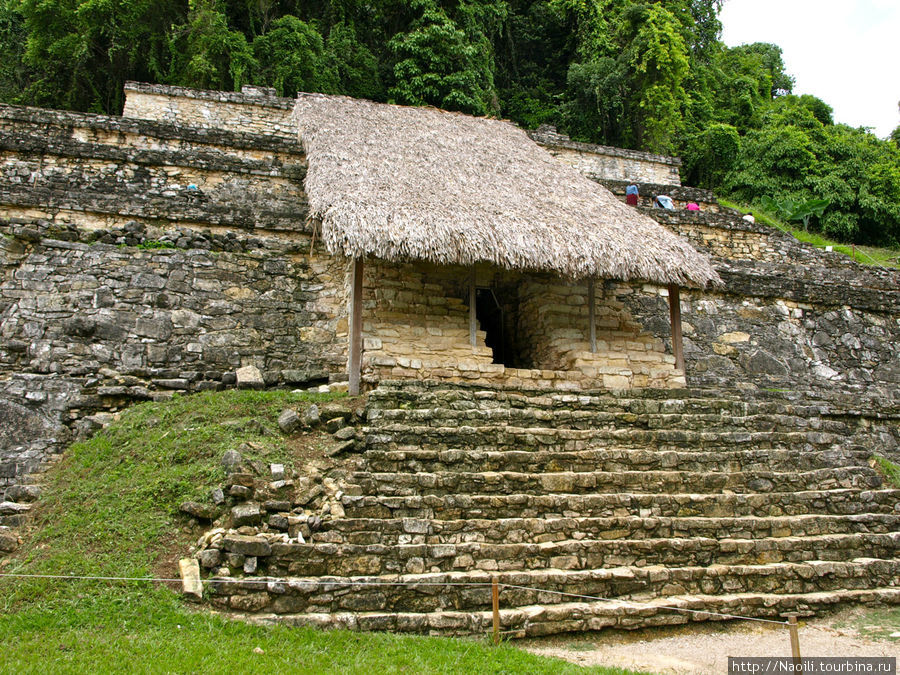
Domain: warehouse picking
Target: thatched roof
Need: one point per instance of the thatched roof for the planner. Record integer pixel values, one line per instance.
(402, 183)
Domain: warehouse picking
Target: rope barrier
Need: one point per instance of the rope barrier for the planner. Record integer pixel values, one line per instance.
(409, 584)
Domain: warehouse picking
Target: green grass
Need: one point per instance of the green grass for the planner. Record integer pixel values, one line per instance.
(865, 255)
(110, 509)
(154, 244)
(889, 470)
(880, 623)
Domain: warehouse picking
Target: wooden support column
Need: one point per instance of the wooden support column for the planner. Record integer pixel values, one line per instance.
(592, 315)
(473, 322)
(675, 316)
(356, 293)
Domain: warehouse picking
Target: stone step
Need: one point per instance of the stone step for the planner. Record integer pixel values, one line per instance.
(451, 507)
(501, 436)
(651, 482)
(580, 616)
(610, 459)
(364, 531)
(318, 559)
(14, 514)
(406, 394)
(430, 396)
(589, 419)
(472, 590)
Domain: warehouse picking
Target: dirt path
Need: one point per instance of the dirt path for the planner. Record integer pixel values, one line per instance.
(702, 649)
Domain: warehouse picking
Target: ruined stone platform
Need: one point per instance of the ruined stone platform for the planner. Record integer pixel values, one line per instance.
(756, 504)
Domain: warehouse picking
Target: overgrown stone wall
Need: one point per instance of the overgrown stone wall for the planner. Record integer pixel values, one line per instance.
(98, 171)
(773, 342)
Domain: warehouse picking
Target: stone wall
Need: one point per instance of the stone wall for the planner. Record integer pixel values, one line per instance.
(647, 192)
(604, 162)
(117, 323)
(732, 338)
(416, 325)
(101, 172)
(255, 110)
(554, 321)
(260, 111)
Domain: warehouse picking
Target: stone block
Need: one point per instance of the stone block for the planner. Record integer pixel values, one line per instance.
(200, 511)
(246, 545)
(191, 585)
(9, 541)
(288, 421)
(209, 558)
(246, 514)
(250, 377)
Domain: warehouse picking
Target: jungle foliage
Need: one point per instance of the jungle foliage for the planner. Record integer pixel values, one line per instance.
(645, 74)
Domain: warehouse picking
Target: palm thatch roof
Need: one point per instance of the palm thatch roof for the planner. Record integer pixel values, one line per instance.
(403, 183)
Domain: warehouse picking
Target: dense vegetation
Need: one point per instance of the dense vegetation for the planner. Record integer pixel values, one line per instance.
(644, 74)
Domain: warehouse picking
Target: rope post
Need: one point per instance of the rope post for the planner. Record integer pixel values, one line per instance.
(356, 305)
(495, 604)
(795, 641)
(675, 318)
(592, 315)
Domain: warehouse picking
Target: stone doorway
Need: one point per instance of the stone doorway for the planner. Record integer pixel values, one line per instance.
(496, 310)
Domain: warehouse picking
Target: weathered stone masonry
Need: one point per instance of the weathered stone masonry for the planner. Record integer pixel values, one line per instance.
(90, 321)
(97, 312)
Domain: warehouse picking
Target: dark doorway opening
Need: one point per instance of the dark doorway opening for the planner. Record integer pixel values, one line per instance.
(496, 310)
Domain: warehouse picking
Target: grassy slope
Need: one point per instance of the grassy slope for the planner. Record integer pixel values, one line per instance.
(110, 509)
(865, 255)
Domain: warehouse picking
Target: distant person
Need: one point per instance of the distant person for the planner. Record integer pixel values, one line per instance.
(631, 195)
(692, 206)
(749, 218)
(665, 202)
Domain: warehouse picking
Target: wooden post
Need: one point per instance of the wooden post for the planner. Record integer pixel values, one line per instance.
(473, 323)
(795, 643)
(592, 315)
(495, 605)
(356, 294)
(675, 316)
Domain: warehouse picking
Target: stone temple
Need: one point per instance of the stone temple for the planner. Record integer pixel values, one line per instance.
(657, 408)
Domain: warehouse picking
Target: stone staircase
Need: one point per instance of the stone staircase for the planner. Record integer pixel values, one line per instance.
(650, 500)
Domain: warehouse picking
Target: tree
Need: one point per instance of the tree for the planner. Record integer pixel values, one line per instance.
(352, 66)
(710, 154)
(438, 66)
(656, 55)
(291, 57)
(14, 75)
(80, 52)
(206, 53)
